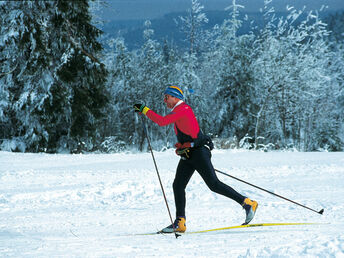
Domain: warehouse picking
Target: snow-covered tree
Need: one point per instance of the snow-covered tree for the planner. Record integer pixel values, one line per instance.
(56, 88)
(292, 81)
(83, 72)
(282, 84)
(192, 25)
(151, 82)
(24, 25)
(188, 66)
(229, 62)
(336, 27)
(123, 84)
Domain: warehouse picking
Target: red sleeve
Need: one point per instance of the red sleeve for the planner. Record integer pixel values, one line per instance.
(164, 120)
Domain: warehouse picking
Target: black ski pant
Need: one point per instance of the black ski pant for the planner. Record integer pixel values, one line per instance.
(200, 161)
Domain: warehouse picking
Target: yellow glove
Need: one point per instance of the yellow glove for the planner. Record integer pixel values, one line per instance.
(141, 108)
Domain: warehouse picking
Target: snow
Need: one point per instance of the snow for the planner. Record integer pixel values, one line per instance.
(92, 205)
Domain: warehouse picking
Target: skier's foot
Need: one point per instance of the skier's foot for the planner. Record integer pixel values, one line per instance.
(178, 226)
(250, 208)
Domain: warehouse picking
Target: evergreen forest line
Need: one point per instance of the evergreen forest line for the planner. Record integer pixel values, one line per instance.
(277, 87)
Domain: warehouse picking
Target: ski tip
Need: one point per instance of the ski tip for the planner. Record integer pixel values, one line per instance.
(321, 211)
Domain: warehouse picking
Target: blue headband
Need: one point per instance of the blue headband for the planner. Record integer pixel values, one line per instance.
(175, 92)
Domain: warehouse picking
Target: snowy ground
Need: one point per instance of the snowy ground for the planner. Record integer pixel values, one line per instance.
(92, 205)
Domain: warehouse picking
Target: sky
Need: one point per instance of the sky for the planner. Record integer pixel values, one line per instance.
(150, 9)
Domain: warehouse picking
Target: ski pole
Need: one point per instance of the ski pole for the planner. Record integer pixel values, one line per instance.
(156, 168)
(320, 212)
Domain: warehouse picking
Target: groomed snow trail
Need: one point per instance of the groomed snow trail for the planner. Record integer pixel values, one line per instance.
(90, 205)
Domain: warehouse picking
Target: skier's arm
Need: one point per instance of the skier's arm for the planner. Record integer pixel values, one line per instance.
(156, 118)
(163, 120)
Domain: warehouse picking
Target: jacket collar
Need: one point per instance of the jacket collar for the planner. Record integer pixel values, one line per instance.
(176, 105)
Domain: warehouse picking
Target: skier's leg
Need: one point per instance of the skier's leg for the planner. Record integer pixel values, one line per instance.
(184, 172)
(201, 159)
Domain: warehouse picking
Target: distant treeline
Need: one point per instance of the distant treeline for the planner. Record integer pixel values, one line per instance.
(166, 28)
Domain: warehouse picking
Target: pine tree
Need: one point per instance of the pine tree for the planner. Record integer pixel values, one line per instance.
(82, 71)
(23, 41)
(56, 89)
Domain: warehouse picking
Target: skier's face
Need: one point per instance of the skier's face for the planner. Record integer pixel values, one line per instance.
(170, 101)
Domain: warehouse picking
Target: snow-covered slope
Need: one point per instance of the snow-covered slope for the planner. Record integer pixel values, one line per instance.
(92, 205)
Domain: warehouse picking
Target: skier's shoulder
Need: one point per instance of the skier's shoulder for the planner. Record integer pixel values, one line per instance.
(183, 107)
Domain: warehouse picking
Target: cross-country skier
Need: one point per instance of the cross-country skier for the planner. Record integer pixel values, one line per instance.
(194, 148)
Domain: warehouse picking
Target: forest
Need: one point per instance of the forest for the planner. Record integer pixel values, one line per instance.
(279, 86)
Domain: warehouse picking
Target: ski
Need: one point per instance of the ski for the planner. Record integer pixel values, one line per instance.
(250, 225)
(234, 227)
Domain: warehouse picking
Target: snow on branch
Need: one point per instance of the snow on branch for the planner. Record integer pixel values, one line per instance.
(78, 44)
(9, 72)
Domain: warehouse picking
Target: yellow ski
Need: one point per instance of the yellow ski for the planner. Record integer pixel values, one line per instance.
(250, 225)
(236, 227)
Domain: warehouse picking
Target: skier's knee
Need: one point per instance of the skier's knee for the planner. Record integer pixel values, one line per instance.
(214, 185)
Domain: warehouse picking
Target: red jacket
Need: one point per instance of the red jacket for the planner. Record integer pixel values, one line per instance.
(183, 118)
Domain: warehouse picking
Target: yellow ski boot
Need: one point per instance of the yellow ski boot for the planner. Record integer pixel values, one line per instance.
(178, 226)
(250, 207)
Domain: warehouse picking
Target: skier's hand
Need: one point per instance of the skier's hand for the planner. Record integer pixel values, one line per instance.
(209, 142)
(141, 108)
(185, 153)
(183, 150)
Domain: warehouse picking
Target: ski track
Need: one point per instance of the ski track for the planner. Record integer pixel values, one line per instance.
(92, 205)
